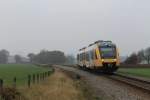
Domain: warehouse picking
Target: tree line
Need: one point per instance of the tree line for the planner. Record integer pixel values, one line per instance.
(139, 57)
(4, 57)
(4, 54)
(43, 57)
(51, 57)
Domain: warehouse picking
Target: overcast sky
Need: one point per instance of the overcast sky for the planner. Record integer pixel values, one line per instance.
(68, 25)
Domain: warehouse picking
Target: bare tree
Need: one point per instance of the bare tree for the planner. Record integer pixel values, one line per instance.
(4, 54)
(147, 55)
(141, 56)
(132, 59)
(18, 59)
(31, 57)
(70, 59)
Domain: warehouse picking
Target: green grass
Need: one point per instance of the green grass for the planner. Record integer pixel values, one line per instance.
(20, 71)
(142, 72)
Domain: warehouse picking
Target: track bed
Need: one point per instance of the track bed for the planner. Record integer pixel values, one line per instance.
(109, 89)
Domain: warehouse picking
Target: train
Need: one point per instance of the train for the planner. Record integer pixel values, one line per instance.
(101, 56)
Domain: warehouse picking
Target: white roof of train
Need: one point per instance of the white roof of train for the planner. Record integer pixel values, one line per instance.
(91, 46)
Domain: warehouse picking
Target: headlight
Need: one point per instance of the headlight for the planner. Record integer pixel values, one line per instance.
(115, 59)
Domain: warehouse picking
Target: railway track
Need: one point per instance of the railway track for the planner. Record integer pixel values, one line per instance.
(134, 82)
(129, 80)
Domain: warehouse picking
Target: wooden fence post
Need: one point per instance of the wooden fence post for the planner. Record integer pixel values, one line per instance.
(33, 78)
(43, 76)
(46, 74)
(1, 84)
(49, 73)
(29, 80)
(37, 76)
(14, 82)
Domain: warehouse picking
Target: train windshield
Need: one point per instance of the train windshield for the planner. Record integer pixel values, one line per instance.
(108, 52)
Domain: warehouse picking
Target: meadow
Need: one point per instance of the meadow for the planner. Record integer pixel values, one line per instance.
(20, 71)
(142, 72)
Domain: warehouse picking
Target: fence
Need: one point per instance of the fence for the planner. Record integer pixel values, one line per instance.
(31, 79)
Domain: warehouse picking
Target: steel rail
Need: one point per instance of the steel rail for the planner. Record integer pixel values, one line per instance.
(135, 82)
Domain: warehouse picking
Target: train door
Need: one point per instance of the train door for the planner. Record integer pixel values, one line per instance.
(98, 58)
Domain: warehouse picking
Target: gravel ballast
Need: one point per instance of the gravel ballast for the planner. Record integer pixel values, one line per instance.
(108, 89)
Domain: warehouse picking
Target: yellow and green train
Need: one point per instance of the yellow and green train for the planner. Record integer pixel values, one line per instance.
(101, 55)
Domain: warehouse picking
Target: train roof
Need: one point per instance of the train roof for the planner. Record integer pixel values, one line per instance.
(91, 44)
(107, 44)
(101, 43)
(82, 48)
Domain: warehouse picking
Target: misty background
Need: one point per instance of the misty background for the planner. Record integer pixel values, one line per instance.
(68, 25)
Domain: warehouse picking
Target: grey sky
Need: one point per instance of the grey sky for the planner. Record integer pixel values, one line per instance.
(31, 25)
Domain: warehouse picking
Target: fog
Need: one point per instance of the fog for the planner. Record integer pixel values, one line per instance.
(68, 25)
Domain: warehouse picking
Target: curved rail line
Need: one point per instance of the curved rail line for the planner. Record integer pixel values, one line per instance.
(137, 83)
(129, 80)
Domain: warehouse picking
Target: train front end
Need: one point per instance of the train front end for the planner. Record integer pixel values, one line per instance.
(109, 56)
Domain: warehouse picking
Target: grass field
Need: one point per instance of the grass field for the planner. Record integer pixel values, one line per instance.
(20, 71)
(143, 72)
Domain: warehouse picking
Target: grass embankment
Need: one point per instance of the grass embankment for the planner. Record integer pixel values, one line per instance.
(20, 71)
(58, 86)
(142, 72)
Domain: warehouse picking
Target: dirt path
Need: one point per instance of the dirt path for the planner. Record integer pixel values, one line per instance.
(108, 89)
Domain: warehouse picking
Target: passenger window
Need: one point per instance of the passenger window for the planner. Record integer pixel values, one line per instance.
(91, 55)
